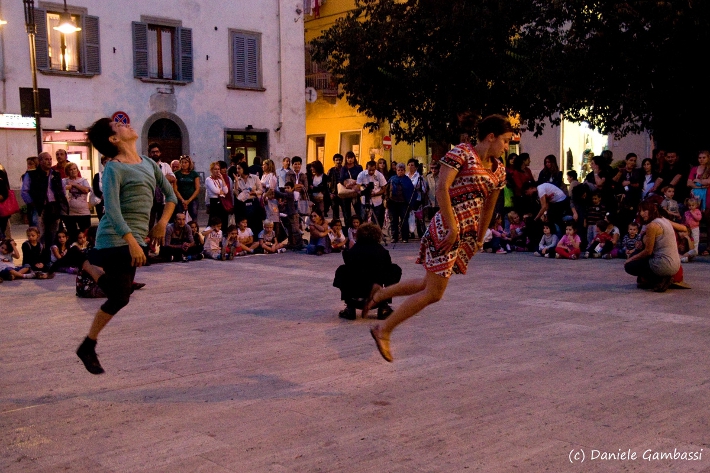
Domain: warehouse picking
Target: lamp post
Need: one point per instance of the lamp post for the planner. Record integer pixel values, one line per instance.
(31, 31)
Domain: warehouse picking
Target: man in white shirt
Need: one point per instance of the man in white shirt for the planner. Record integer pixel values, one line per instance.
(553, 201)
(372, 184)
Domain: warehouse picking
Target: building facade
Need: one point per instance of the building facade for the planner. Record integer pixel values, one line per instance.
(204, 78)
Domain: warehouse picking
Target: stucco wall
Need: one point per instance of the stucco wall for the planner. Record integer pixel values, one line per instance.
(206, 106)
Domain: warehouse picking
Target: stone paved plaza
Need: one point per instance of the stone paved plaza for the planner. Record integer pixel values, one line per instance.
(244, 366)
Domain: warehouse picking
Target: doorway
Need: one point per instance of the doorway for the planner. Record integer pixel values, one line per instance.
(168, 135)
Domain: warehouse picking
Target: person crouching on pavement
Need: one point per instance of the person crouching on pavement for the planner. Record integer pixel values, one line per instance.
(366, 263)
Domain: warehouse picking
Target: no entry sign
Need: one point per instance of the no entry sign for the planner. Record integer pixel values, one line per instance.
(387, 142)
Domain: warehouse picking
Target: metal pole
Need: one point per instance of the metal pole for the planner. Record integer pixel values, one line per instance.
(31, 30)
(35, 92)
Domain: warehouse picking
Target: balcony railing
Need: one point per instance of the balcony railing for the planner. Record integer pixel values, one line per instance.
(322, 82)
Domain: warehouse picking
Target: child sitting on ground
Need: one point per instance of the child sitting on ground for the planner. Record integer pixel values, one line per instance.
(267, 239)
(497, 239)
(352, 231)
(8, 270)
(197, 236)
(595, 212)
(669, 204)
(631, 242)
(603, 241)
(213, 239)
(568, 246)
(230, 244)
(245, 236)
(338, 241)
(518, 236)
(59, 249)
(686, 247)
(33, 254)
(548, 242)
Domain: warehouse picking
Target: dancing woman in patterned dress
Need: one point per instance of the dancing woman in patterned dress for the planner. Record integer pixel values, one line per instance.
(469, 182)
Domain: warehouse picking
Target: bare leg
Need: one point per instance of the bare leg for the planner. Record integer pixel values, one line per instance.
(422, 293)
(100, 320)
(94, 271)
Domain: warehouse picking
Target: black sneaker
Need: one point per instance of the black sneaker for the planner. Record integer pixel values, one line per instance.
(348, 313)
(87, 354)
(384, 312)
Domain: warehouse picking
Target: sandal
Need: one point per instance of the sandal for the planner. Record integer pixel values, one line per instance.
(383, 344)
(370, 303)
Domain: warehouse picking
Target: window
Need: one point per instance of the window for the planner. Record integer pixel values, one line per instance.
(162, 51)
(246, 60)
(77, 53)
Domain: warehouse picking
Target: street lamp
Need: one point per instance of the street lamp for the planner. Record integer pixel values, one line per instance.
(66, 25)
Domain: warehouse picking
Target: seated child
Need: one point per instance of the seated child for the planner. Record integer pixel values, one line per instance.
(518, 236)
(287, 205)
(602, 243)
(693, 216)
(548, 242)
(213, 239)
(230, 244)
(568, 246)
(669, 204)
(197, 236)
(33, 254)
(595, 212)
(245, 237)
(338, 241)
(58, 251)
(632, 242)
(267, 239)
(367, 263)
(686, 247)
(499, 240)
(318, 228)
(8, 270)
(352, 231)
(75, 256)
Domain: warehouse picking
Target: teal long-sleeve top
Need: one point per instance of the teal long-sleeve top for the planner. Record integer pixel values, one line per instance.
(129, 190)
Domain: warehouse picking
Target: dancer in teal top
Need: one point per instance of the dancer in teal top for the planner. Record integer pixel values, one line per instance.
(129, 183)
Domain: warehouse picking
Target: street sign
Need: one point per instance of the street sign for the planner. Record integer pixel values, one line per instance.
(387, 142)
(27, 107)
(121, 117)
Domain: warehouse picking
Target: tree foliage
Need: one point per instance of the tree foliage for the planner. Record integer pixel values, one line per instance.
(622, 66)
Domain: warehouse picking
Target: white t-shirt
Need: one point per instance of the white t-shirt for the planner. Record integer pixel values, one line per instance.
(213, 239)
(378, 179)
(243, 236)
(558, 195)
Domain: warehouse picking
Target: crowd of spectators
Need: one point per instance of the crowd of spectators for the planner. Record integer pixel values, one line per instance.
(259, 209)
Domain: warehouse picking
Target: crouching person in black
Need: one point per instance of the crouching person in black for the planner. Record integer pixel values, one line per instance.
(366, 263)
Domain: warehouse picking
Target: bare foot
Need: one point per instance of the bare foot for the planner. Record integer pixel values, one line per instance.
(383, 343)
(371, 303)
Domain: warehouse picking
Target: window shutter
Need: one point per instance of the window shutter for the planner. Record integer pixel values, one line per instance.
(252, 69)
(140, 49)
(185, 54)
(239, 60)
(92, 52)
(41, 41)
(246, 60)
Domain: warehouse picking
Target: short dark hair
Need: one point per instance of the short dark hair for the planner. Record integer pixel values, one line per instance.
(214, 221)
(231, 228)
(368, 233)
(572, 174)
(633, 224)
(289, 184)
(371, 162)
(99, 134)
(154, 145)
(496, 124)
(243, 166)
(631, 155)
(296, 159)
(222, 164)
(334, 222)
(337, 156)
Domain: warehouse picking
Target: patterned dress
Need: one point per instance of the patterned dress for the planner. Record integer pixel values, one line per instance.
(470, 188)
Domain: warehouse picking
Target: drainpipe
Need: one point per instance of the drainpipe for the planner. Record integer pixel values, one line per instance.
(278, 36)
